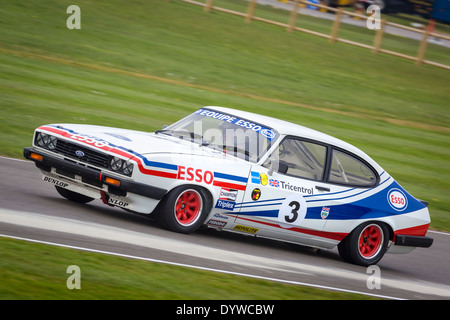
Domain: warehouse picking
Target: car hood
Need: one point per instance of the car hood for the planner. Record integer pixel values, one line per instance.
(136, 142)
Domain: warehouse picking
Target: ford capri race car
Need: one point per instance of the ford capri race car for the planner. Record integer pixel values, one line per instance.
(242, 172)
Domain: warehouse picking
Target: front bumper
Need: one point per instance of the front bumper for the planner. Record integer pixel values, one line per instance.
(92, 176)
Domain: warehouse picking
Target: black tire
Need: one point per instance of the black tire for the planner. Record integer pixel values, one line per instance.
(366, 244)
(184, 209)
(73, 196)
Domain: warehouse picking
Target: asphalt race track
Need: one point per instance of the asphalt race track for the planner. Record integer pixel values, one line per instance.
(32, 209)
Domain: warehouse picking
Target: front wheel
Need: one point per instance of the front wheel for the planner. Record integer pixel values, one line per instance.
(184, 209)
(365, 245)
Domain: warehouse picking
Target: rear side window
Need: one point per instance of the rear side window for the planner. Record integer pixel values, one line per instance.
(348, 170)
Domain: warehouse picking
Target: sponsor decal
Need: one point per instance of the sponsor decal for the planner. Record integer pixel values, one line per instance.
(220, 216)
(397, 199)
(325, 212)
(263, 179)
(208, 177)
(197, 175)
(266, 132)
(274, 183)
(89, 140)
(225, 205)
(228, 194)
(118, 202)
(254, 176)
(259, 178)
(256, 194)
(216, 223)
(291, 187)
(245, 229)
(55, 182)
(269, 134)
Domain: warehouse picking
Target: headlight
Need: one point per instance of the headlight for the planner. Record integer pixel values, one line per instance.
(40, 139)
(116, 163)
(46, 141)
(121, 166)
(127, 168)
(52, 142)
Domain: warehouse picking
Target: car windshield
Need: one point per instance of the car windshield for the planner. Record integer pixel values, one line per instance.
(232, 135)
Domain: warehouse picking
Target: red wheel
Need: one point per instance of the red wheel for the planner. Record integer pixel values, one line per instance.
(370, 241)
(184, 209)
(188, 207)
(366, 244)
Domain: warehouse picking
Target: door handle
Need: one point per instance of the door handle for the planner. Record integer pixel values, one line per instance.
(323, 188)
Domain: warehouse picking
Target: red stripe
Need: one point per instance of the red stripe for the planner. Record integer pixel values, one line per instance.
(339, 236)
(413, 231)
(163, 174)
(229, 185)
(157, 173)
(116, 151)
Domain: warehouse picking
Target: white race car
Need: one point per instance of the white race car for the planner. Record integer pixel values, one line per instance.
(242, 172)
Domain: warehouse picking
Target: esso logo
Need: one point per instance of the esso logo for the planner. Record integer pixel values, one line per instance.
(197, 175)
(397, 199)
(89, 140)
(268, 133)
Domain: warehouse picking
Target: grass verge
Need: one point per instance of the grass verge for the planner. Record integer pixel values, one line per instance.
(109, 277)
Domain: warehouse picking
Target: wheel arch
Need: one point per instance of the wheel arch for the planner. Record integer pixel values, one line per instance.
(208, 192)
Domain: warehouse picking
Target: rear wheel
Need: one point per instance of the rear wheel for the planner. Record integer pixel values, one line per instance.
(73, 196)
(365, 245)
(184, 209)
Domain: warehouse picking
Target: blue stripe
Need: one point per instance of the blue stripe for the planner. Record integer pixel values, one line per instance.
(259, 201)
(350, 196)
(229, 177)
(160, 164)
(266, 213)
(260, 205)
(148, 162)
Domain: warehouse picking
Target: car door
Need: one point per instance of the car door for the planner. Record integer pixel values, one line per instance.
(280, 196)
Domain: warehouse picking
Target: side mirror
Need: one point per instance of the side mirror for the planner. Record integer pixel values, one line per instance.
(277, 166)
(282, 167)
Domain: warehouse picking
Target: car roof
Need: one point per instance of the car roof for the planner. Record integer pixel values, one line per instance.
(286, 128)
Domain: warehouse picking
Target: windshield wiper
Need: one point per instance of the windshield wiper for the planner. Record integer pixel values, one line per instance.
(192, 135)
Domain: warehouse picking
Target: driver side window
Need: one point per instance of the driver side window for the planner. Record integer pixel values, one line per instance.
(300, 159)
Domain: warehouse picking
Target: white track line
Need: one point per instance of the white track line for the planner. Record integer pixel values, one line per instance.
(203, 268)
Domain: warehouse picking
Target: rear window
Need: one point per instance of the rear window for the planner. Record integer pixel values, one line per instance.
(349, 170)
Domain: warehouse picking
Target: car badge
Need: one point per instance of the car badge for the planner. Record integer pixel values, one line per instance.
(79, 153)
(325, 212)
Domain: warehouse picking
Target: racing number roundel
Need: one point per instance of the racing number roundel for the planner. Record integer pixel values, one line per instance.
(292, 211)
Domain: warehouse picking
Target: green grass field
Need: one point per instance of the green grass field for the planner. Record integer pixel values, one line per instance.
(116, 278)
(143, 64)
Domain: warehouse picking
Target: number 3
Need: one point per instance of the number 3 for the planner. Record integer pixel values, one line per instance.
(292, 211)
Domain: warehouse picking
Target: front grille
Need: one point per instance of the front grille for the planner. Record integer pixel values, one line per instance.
(90, 157)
